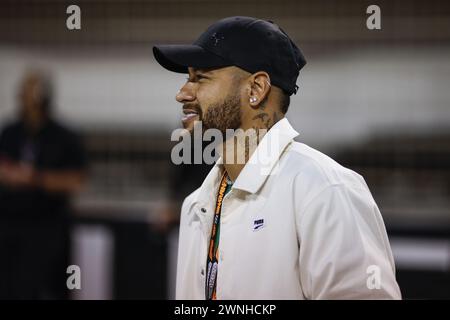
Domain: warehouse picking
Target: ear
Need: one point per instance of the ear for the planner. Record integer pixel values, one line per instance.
(259, 88)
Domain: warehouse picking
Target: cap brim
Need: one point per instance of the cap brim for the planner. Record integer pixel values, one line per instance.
(178, 58)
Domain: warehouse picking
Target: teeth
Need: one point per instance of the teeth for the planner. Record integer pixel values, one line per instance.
(189, 116)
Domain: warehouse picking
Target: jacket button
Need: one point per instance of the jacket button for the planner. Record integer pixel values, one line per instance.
(203, 272)
(203, 209)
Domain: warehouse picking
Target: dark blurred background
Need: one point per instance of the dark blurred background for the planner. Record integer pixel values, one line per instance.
(378, 101)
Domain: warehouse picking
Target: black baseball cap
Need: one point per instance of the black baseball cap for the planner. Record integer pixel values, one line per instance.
(248, 43)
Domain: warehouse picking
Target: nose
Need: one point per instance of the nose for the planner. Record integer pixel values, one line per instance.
(185, 94)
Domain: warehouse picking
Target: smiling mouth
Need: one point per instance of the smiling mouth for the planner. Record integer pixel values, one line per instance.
(189, 114)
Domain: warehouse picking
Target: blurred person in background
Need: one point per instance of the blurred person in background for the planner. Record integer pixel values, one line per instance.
(42, 164)
(184, 178)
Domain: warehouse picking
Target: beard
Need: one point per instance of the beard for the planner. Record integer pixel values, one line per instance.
(220, 115)
(224, 115)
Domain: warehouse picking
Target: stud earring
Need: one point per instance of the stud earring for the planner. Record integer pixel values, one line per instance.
(253, 99)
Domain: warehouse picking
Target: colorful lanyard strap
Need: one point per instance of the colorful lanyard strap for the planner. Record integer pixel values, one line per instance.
(213, 252)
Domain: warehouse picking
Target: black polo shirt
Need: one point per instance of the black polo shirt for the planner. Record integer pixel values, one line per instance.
(52, 148)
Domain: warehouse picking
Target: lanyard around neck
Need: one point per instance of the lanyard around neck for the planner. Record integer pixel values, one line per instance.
(213, 252)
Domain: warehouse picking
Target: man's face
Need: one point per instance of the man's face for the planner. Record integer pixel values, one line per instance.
(213, 97)
(29, 98)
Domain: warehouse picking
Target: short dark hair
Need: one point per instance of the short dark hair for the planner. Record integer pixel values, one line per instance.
(285, 101)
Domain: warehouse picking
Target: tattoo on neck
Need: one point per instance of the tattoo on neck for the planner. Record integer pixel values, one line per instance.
(262, 116)
(262, 105)
(266, 121)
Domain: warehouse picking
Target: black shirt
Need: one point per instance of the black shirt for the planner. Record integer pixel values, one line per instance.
(52, 148)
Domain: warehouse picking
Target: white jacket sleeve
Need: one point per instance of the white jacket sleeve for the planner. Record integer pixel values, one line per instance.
(344, 249)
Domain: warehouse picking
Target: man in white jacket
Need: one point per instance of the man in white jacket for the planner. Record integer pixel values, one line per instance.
(287, 222)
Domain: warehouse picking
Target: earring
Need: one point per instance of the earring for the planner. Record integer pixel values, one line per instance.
(253, 99)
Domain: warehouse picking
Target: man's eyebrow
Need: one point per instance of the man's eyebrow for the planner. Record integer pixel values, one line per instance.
(199, 72)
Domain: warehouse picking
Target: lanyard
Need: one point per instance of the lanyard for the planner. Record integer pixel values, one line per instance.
(213, 252)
